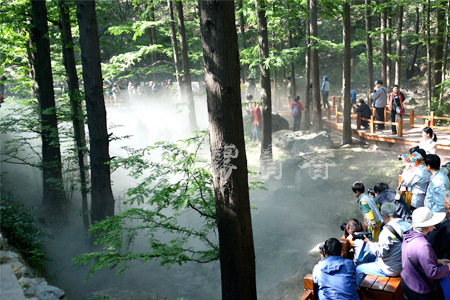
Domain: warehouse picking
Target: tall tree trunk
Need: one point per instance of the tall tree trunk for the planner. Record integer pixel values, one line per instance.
(369, 50)
(102, 200)
(411, 70)
(53, 186)
(446, 45)
(389, 66)
(398, 61)
(308, 95)
(293, 89)
(317, 111)
(384, 59)
(186, 68)
(266, 94)
(173, 40)
(75, 103)
(346, 75)
(428, 37)
(243, 40)
(439, 46)
(221, 59)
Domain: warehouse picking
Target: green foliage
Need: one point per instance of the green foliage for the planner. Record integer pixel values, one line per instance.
(19, 228)
(441, 111)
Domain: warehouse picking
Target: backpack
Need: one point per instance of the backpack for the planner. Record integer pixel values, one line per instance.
(294, 111)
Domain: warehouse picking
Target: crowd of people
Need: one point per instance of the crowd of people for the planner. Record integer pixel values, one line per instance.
(396, 238)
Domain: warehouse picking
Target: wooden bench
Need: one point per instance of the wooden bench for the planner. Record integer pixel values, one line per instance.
(381, 288)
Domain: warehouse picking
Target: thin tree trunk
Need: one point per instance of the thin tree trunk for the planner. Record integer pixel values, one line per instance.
(173, 40)
(266, 101)
(439, 46)
(411, 70)
(369, 51)
(317, 111)
(389, 65)
(102, 200)
(446, 45)
(53, 186)
(346, 75)
(429, 74)
(293, 89)
(186, 68)
(221, 59)
(384, 59)
(75, 102)
(398, 61)
(243, 40)
(308, 95)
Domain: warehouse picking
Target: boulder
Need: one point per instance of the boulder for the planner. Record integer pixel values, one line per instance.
(298, 142)
(279, 123)
(43, 291)
(114, 294)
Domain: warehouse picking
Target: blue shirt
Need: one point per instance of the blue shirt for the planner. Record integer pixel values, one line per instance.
(336, 278)
(434, 198)
(418, 180)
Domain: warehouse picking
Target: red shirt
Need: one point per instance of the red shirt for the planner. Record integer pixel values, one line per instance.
(256, 116)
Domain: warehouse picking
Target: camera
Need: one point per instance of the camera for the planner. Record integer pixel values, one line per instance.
(400, 157)
(371, 192)
(343, 226)
(360, 235)
(321, 247)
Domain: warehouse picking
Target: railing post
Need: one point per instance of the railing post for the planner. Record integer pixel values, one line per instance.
(411, 119)
(400, 127)
(432, 115)
(333, 100)
(337, 114)
(358, 121)
(385, 114)
(328, 113)
(372, 124)
(339, 102)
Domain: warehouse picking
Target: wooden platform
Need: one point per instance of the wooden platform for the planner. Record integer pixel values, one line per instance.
(381, 288)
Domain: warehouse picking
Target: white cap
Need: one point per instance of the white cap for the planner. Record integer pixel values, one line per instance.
(424, 217)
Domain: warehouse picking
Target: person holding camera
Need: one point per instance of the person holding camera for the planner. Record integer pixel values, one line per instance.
(369, 209)
(379, 96)
(334, 276)
(396, 99)
(388, 249)
(365, 111)
(354, 233)
(383, 195)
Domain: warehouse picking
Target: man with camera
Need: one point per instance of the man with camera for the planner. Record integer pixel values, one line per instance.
(383, 194)
(334, 276)
(379, 96)
(388, 249)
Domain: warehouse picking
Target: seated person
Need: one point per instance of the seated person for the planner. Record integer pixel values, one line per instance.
(369, 209)
(358, 246)
(365, 111)
(439, 182)
(440, 237)
(388, 249)
(383, 194)
(334, 275)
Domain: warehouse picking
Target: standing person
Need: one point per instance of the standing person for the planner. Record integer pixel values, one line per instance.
(428, 142)
(251, 88)
(388, 249)
(256, 122)
(296, 111)
(379, 96)
(334, 275)
(131, 91)
(365, 111)
(439, 182)
(352, 97)
(419, 262)
(325, 90)
(396, 106)
(369, 209)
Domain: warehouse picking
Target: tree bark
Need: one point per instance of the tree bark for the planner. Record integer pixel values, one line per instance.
(398, 61)
(384, 60)
(428, 37)
(102, 200)
(308, 95)
(411, 70)
(369, 51)
(186, 69)
(389, 67)
(266, 94)
(317, 111)
(53, 186)
(346, 75)
(439, 46)
(221, 59)
(243, 40)
(446, 45)
(173, 40)
(292, 91)
(75, 103)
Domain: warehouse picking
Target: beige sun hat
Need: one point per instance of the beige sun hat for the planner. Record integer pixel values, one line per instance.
(424, 217)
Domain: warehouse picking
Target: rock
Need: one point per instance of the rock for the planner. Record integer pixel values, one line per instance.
(113, 294)
(8, 256)
(3, 242)
(43, 291)
(298, 142)
(279, 123)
